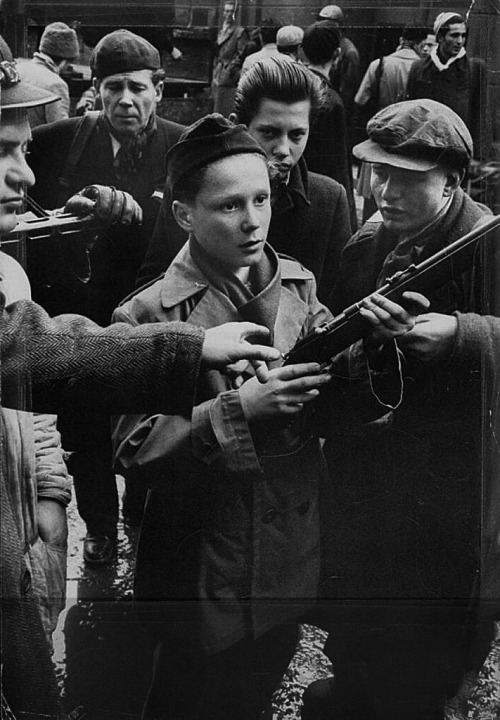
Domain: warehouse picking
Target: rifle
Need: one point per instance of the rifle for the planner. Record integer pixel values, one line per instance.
(48, 226)
(330, 338)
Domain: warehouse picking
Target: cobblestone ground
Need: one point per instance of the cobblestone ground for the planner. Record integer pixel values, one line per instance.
(103, 649)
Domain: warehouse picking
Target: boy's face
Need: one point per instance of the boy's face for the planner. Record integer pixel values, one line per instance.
(282, 129)
(15, 174)
(231, 214)
(408, 200)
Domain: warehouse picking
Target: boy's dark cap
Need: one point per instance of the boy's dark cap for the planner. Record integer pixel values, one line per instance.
(205, 141)
(14, 92)
(123, 51)
(416, 135)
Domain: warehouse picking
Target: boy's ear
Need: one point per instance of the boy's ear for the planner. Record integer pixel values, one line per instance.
(182, 214)
(234, 118)
(97, 84)
(453, 180)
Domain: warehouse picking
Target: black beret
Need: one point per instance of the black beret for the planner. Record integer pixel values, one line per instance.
(416, 135)
(209, 139)
(123, 51)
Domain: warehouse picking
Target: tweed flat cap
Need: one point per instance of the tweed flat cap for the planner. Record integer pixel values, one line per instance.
(331, 12)
(123, 51)
(289, 36)
(205, 141)
(416, 135)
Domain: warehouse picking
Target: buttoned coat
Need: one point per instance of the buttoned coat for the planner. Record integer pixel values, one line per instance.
(232, 517)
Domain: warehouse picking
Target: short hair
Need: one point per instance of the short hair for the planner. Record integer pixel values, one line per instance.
(269, 30)
(414, 34)
(446, 25)
(321, 40)
(275, 78)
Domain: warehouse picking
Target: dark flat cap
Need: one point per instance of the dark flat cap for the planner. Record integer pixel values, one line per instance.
(123, 51)
(416, 135)
(205, 141)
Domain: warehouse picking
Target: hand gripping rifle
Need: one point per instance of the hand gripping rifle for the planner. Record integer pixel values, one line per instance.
(325, 341)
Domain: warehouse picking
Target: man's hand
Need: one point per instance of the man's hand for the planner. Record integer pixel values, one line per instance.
(285, 392)
(389, 319)
(432, 337)
(227, 344)
(106, 204)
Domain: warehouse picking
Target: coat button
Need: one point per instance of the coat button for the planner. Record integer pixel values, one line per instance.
(304, 507)
(25, 582)
(269, 515)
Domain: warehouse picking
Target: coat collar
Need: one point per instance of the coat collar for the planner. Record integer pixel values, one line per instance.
(184, 280)
(295, 192)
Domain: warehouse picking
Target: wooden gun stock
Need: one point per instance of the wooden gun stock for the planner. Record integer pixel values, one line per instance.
(325, 341)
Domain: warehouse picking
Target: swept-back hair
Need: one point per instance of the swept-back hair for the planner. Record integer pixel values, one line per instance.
(275, 78)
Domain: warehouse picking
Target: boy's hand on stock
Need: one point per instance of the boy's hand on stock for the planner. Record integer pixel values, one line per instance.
(285, 392)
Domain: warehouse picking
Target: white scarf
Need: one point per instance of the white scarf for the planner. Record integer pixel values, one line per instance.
(444, 66)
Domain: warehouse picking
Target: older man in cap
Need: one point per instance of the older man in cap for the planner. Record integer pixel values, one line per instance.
(124, 147)
(58, 47)
(402, 532)
(449, 76)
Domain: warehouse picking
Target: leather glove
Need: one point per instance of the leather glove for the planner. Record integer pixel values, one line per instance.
(106, 204)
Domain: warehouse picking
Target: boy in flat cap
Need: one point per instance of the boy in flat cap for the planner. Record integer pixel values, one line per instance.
(402, 532)
(123, 146)
(228, 555)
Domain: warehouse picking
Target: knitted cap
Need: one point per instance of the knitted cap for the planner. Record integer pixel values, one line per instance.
(321, 39)
(123, 51)
(443, 18)
(59, 40)
(289, 36)
(205, 141)
(416, 135)
(14, 92)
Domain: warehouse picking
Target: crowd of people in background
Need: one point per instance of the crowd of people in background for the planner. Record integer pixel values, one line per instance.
(261, 513)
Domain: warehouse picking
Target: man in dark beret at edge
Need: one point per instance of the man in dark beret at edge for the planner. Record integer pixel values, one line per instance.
(123, 146)
(402, 531)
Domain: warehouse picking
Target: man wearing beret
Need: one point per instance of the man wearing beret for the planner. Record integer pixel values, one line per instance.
(402, 531)
(451, 77)
(123, 146)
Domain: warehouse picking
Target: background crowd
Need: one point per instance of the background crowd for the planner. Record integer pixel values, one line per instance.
(400, 492)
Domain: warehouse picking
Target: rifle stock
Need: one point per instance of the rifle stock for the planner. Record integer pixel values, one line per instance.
(325, 341)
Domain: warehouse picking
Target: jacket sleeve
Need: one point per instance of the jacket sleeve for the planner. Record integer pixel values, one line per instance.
(166, 241)
(364, 92)
(338, 235)
(52, 480)
(69, 359)
(216, 434)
